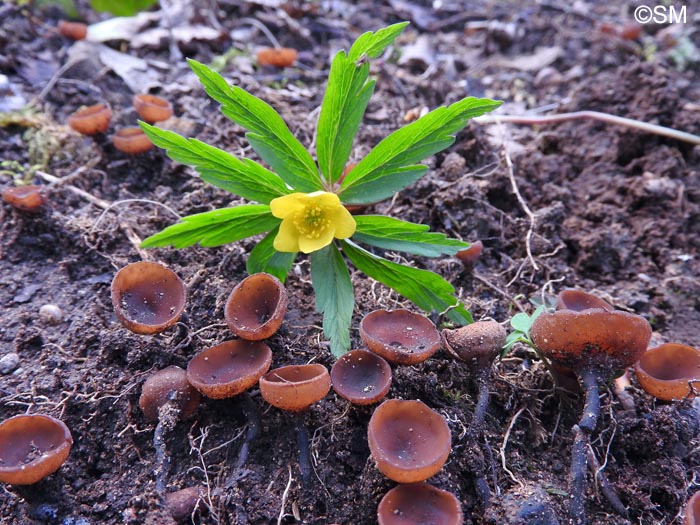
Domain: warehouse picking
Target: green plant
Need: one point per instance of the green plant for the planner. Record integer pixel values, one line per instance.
(302, 203)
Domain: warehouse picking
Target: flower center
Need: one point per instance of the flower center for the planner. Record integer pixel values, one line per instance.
(311, 222)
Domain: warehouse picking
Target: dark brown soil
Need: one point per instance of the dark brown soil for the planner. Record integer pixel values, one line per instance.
(613, 211)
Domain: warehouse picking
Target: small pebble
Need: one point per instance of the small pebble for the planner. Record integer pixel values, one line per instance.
(8, 363)
(51, 314)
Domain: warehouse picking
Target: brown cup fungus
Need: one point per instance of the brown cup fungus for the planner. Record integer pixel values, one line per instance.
(230, 368)
(168, 397)
(478, 345)
(72, 30)
(399, 336)
(277, 56)
(295, 388)
(152, 108)
(668, 371)
(595, 344)
(470, 255)
(32, 447)
(419, 503)
(362, 377)
(182, 503)
(131, 140)
(409, 441)
(692, 510)
(148, 298)
(169, 385)
(90, 120)
(578, 300)
(30, 198)
(256, 307)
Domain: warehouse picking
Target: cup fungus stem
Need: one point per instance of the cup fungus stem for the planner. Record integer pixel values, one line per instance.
(304, 451)
(482, 402)
(168, 415)
(586, 425)
(605, 487)
(252, 415)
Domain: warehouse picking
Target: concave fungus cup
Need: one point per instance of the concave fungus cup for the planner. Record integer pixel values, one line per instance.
(32, 447)
(152, 108)
(277, 56)
(400, 336)
(168, 397)
(419, 503)
(361, 377)
(91, 120)
(477, 344)
(578, 300)
(256, 307)
(131, 140)
(147, 297)
(595, 343)
(692, 510)
(295, 388)
(30, 198)
(408, 440)
(227, 370)
(667, 371)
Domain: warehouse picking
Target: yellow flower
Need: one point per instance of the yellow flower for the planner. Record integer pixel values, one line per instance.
(310, 221)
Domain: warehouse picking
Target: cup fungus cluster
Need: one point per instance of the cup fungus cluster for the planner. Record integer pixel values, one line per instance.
(595, 342)
(32, 447)
(95, 119)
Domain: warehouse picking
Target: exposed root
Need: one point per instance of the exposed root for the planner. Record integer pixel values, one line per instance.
(502, 450)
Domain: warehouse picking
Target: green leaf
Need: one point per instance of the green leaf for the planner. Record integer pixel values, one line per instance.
(68, 6)
(390, 166)
(334, 296)
(393, 234)
(373, 44)
(240, 177)
(346, 98)
(268, 133)
(216, 227)
(122, 7)
(521, 322)
(426, 289)
(264, 258)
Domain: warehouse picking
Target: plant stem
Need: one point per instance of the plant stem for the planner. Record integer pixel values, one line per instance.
(586, 425)
(593, 115)
(304, 452)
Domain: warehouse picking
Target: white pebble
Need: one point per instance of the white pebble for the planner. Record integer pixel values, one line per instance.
(51, 314)
(8, 363)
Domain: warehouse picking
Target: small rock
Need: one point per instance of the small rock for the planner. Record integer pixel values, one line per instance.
(51, 314)
(8, 363)
(25, 295)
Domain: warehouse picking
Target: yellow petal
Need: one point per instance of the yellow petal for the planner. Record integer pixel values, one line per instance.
(287, 239)
(324, 199)
(343, 221)
(308, 245)
(283, 207)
